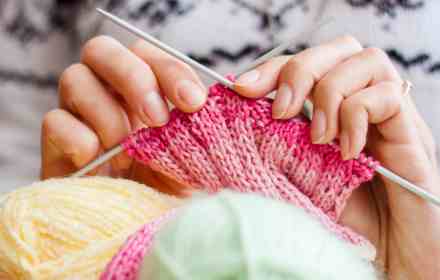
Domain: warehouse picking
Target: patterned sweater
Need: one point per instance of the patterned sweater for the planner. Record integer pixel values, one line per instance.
(39, 38)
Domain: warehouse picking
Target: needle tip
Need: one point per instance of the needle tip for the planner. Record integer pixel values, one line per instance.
(103, 12)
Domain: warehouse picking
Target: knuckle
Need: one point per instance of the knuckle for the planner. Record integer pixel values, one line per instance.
(139, 46)
(70, 77)
(52, 130)
(70, 80)
(133, 70)
(96, 45)
(174, 64)
(350, 106)
(138, 75)
(51, 120)
(325, 87)
(294, 65)
(349, 109)
(376, 53)
(395, 89)
(381, 58)
(351, 40)
(91, 144)
(393, 98)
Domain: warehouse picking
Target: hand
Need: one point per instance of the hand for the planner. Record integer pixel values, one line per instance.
(358, 98)
(113, 91)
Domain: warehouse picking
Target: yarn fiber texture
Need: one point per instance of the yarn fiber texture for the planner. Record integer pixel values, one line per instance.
(71, 228)
(234, 142)
(126, 263)
(238, 236)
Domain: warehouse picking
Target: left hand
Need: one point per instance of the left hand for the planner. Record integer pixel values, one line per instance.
(358, 98)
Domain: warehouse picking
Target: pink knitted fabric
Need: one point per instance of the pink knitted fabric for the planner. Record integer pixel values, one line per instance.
(126, 264)
(233, 142)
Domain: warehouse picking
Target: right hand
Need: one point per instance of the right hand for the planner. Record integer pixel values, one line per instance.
(113, 91)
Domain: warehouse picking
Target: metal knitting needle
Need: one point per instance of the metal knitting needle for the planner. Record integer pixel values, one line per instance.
(203, 69)
(99, 161)
(278, 50)
(173, 52)
(284, 46)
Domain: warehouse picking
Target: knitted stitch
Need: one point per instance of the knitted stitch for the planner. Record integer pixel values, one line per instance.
(234, 143)
(126, 264)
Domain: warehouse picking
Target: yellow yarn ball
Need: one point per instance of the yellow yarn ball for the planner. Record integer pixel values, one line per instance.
(71, 228)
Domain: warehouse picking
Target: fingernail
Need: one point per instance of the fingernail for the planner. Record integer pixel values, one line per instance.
(318, 126)
(248, 77)
(344, 143)
(155, 109)
(191, 94)
(357, 142)
(282, 101)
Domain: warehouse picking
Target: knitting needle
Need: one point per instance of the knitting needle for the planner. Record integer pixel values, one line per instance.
(114, 151)
(284, 46)
(99, 161)
(203, 69)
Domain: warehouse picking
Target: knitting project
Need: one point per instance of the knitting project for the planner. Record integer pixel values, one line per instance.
(126, 264)
(234, 143)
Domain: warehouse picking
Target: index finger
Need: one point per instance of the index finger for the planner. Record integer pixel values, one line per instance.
(129, 76)
(178, 82)
(299, 71)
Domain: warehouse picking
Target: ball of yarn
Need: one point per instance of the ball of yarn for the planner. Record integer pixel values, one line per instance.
(71, 228)
(239, 236)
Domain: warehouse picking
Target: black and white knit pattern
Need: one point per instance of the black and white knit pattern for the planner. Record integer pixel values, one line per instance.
(39, 38)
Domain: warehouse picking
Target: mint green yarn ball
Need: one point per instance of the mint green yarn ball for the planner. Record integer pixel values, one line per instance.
(232, 236)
